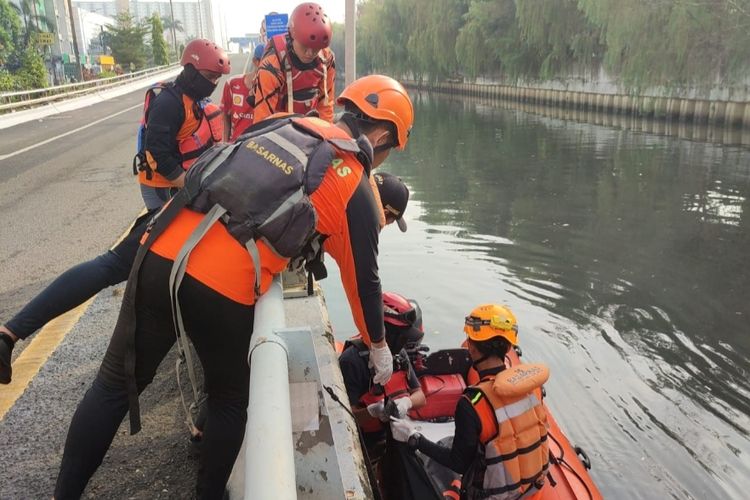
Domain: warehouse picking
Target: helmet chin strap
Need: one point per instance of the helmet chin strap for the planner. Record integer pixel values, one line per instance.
(352, 121)
(382, 148)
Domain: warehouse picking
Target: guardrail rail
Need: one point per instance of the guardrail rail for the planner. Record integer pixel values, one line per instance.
(21, 99)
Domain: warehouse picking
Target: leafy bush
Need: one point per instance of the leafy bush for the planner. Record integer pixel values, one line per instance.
(32, 74)
(8, 82)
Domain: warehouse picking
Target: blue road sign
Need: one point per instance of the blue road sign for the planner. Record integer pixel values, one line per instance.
(276, 24)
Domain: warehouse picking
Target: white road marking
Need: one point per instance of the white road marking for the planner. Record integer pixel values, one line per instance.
(47, 141)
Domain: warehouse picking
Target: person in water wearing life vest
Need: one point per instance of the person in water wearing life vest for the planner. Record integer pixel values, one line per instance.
(179, 126)
(500, 445)
(298, 70)
(237, 100)
(248, 209)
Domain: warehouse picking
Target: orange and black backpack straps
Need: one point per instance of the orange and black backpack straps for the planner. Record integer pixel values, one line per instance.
(140, 163)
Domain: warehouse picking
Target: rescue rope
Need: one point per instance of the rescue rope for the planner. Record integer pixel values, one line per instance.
(368, 465)
(561, 460)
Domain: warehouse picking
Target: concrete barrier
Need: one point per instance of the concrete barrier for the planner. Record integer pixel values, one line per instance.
(700, 112)
(687, 110)
(734, 113)
(716, 112)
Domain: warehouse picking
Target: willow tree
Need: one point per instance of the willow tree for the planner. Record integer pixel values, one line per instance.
(640, 42)
(559, 35)
(382, 32)
(489, 43)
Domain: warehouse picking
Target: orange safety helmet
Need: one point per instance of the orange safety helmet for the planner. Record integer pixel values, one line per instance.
(205, 55)
(310, 26)
(491, 320)
(381, 97)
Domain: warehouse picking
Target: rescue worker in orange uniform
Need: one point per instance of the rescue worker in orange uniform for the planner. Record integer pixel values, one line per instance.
(298, 70)
(179, 126)
(500, 445)
(247, 209)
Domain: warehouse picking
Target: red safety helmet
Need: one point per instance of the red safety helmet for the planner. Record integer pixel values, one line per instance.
(403, 322)
(310, 26)
(205, 55)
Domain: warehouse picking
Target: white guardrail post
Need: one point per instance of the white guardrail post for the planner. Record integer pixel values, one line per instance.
(269, 447)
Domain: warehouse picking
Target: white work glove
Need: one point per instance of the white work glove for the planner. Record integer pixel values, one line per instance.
(401, 429)
(377, 410)
(382, 360)
(403, 405)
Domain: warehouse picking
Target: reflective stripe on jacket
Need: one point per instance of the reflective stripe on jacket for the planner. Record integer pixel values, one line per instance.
(514, 454)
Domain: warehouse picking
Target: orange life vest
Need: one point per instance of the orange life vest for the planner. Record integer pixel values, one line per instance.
(514, 454)
(396, 387)
(202, 128)
(301, 86)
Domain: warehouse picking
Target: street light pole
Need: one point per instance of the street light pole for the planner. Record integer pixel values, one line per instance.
(75, 40)
(174, 35)
(350, 41)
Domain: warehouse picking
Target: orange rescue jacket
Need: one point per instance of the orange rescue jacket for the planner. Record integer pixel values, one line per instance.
(514, 455)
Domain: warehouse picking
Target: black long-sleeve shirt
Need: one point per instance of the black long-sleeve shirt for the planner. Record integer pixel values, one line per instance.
(166, 115)
(460, 456)
(465, 442)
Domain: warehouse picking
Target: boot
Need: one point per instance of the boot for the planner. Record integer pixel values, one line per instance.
(6, 350)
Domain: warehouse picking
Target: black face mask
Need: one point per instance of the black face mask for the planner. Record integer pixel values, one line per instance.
(194, 84)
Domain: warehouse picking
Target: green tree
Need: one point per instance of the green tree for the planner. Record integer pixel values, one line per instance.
(32, 74)
(559, 34)
(382, 37)
(32, 21)
(10, 30)
(642, 42)
(127, 41)
(167, 25)
(158, 44)
(490, 42)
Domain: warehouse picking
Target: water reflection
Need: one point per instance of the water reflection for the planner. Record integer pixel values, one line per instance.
(625, 257)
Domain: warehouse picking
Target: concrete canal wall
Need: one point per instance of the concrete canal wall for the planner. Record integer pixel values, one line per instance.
(706, 112)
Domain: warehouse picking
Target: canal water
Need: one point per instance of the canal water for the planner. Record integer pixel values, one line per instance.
(625, 257)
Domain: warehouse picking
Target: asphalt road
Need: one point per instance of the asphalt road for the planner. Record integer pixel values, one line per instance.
(64, 200)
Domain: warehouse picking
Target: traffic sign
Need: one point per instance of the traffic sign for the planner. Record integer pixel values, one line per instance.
(45, 38)
(276, 24)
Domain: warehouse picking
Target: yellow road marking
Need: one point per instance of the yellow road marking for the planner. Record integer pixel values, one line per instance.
(31, 360)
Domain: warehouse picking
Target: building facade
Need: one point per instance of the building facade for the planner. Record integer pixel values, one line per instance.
(195, 16)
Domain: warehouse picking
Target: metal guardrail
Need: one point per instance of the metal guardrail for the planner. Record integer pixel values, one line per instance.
(11, 101)
(269, 448)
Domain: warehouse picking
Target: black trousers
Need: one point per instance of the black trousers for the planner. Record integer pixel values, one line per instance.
(78, 284)
(219, 328)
